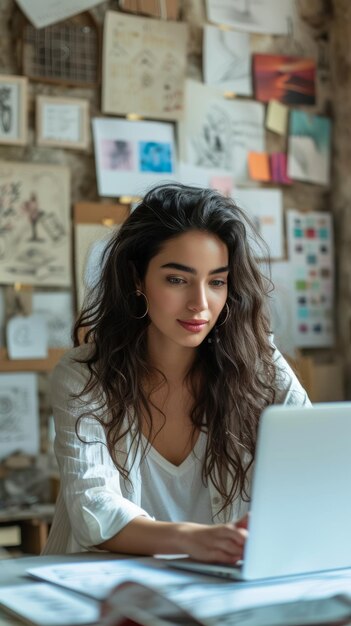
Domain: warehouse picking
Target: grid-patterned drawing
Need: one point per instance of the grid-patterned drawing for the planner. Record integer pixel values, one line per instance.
(64, 52)
(310, 246)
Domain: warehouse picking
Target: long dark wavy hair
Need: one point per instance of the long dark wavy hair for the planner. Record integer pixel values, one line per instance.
(233, 374)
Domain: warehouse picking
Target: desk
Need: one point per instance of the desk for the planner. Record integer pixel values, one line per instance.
(13, 572)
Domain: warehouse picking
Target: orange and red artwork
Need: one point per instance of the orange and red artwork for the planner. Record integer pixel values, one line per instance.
(289, 79)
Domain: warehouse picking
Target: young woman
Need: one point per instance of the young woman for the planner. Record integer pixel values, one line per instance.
(156, 412)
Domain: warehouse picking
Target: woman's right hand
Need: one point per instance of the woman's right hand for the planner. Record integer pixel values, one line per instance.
(221, 543)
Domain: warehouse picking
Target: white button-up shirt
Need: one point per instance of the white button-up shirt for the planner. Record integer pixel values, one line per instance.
(91, 507)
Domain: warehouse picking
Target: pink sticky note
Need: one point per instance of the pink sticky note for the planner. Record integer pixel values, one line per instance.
(223, 184)
(278, 168)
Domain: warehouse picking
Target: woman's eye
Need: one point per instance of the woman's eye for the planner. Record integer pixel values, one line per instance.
(175, 280)
(218, 282)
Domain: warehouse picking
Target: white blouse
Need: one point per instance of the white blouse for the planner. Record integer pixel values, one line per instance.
(174, 493)
(94, 503)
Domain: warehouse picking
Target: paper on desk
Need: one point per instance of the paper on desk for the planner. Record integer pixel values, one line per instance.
(47, 605)
(97, 578)
(304, 600)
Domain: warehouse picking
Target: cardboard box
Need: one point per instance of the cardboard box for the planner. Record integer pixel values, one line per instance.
(323, 380)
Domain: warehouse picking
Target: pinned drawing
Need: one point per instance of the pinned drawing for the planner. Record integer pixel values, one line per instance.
(310, 247)
(90, 243)
(287, 79)
(265, 209)
(144, 66)
(56, 307)
(309, 148)
(281, 304)
(131, 156)
(19, 416)
(34, 224)
(227, 60)
(13, 109)
(218, 133)
(252, 16)
(27, 337)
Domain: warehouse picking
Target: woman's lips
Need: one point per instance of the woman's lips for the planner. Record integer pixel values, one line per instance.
(194, 326)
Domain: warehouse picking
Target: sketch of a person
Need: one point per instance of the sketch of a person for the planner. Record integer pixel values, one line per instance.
(116, 154)
(34, 214)
(5, 109)
(120, 155)
(212, 145)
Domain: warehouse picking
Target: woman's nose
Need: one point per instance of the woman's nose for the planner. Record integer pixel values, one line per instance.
(198, 300)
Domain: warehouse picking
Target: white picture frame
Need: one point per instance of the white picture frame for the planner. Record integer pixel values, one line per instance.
(62, 122)
(131, 156)
(13, 109)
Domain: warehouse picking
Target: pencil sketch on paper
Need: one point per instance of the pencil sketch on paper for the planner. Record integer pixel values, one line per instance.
(34, 224)
(212, 147)
(57, 309)
(219, 133)
(8, 110)
(19, 418)
(144, 66)
(252, 16)
(227, 60)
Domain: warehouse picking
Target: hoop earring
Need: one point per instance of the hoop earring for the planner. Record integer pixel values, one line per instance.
(139, 293)
(226, 316)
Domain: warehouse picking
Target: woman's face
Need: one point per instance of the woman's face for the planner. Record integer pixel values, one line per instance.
(186, 287)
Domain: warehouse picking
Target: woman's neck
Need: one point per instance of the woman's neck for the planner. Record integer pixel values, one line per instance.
(172, 360)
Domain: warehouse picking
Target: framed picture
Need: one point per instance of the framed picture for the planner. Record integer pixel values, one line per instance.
(132, 156)
(35, 224)
(13, 109)
(62, 122)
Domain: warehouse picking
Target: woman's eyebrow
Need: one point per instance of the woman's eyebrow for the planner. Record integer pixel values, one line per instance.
(191, 270)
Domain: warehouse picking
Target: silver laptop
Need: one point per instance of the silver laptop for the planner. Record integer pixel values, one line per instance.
(300, 519)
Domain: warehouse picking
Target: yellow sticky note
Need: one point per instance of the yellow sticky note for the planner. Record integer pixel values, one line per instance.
(277, 117)
(259, 168)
